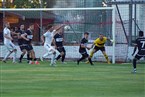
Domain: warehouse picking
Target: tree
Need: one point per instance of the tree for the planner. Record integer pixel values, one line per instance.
(33, 3)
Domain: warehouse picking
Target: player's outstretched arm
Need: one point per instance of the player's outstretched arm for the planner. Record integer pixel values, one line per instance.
(111, 40)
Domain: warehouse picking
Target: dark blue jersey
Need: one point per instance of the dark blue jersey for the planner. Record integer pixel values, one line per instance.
(84, 42)
(58, 40)
(29, 35)
(140, 42)
(20, 40)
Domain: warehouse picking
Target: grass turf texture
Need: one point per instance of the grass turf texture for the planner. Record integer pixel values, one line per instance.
(70, 80)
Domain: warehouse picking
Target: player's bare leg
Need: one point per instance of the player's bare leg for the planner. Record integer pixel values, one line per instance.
(106, 57)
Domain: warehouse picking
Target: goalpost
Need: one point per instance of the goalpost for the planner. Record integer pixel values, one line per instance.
(93, 20)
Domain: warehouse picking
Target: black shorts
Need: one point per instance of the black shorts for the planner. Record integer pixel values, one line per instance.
(99, 48)
(61, 49)
(22, 48)
(28, 47)
(139, 56)
(84, 53)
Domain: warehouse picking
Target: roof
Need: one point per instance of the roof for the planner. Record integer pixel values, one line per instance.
(34, 14)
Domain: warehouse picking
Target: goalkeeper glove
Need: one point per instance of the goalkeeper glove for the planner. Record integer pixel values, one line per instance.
(112, 41)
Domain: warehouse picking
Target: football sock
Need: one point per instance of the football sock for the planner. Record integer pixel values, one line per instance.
(134, 63)
(106, 57)
(45, 55)
(63, 57)
(7, 55)
(90, 61)
(53, 58)
(21, 57)
(30, 59)
(58, 57)
(14, 56)
(91, 54)
(35, 59)
(28, 56)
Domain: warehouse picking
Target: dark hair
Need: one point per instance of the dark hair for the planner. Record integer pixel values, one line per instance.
(140, 33)
(49, 26)
(86, 33)
(31, 24)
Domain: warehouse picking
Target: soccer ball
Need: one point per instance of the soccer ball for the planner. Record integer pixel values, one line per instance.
(66, 28)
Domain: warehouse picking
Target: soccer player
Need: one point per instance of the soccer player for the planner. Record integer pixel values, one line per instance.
(58, 43)
(140, 45)
(20, 43)
(83, 47)
(8, 43)
(99, 45)
(27, 36)
(47, 41)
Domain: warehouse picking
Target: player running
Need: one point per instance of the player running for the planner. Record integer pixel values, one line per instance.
(20, 43)
(99, 45)
(27, 36)
(140, 45)
(58, 41)
(82, 49)
(47, 41)
(8, 43)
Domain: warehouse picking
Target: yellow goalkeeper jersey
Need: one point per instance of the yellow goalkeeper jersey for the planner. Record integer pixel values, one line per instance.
(100, 43)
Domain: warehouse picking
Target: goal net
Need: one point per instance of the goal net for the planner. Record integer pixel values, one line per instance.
(98, 20)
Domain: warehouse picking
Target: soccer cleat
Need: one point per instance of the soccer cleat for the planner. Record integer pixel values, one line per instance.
(108, 62)
(87, 62)
(64, 63)
(52, 65)
(134, 71)
(14, 62)
(4, 61)
(92, 64)
(31, 62)
(36, 62)
(41, 58)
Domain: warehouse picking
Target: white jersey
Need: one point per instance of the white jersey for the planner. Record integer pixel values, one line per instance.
(7, 32)
(48, 37)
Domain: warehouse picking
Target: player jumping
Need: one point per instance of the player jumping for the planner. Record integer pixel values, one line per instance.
(140, 44)
(99, 45)
(8, 43)
(47, 41)
(82, 49)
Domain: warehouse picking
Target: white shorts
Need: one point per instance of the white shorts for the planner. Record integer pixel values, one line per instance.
(48, 47)
(10, 46)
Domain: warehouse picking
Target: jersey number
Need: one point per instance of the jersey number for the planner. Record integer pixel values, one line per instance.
(143, 44)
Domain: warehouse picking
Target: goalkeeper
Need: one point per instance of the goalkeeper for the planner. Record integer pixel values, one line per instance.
(99, 45)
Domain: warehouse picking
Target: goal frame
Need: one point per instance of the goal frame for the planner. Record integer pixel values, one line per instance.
(67, 9)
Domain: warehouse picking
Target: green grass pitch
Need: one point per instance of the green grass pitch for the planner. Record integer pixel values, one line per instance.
(70, 80)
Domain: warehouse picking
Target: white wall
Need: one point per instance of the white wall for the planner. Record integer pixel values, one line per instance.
(72, 52)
